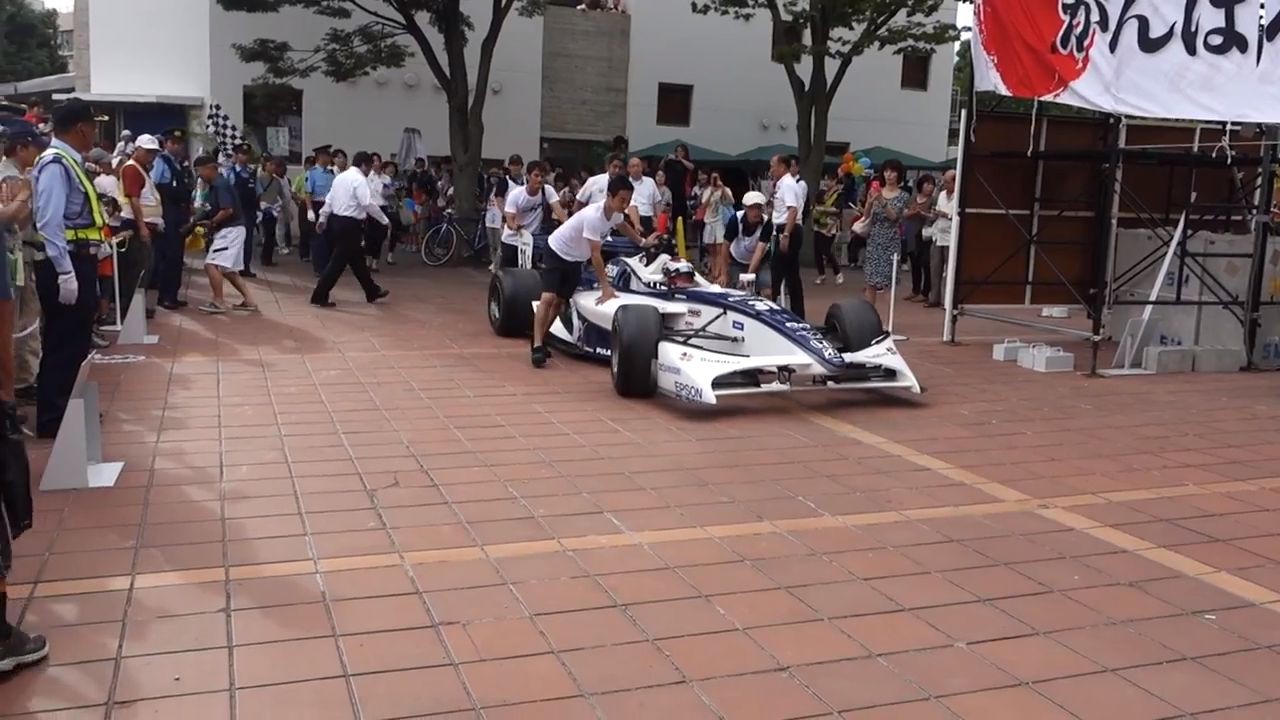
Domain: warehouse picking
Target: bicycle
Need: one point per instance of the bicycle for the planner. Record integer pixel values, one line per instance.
(441, 241)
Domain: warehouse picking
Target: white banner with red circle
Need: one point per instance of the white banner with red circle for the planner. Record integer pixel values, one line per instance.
(1213, 60)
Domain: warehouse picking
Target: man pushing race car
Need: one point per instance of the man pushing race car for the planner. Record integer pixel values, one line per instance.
(573, 243)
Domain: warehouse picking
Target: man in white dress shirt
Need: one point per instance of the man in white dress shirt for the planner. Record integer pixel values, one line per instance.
(788, 229)
(645, 199)
(345, 209)
(596, 188)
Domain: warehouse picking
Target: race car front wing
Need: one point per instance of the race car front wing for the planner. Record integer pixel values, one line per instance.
(697, 375)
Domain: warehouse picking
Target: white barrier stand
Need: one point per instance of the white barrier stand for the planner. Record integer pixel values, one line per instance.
(115, 283)
(893, 299)
(76, 460)
(134, 329)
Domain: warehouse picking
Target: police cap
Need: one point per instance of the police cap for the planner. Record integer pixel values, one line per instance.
(16, 131)
(179, 134)
(323, 150)
(242, 148)
(73, 111)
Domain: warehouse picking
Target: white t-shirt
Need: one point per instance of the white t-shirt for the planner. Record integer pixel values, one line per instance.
(572, 240)
(595, 189)
(645, 197)
(527, 209)
(743, 247)
(786, 194)
(942, 227)
(493, 209)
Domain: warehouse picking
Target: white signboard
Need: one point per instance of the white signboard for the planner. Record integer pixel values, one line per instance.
(1213, 60)
(278, 141)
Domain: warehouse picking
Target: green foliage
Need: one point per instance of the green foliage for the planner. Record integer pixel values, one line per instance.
(28, 42)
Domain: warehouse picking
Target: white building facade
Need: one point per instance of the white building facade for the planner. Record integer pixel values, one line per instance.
(659, 74)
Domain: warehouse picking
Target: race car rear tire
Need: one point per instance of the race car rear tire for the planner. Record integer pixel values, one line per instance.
(856, 324)
(637, 329)
(512, 292)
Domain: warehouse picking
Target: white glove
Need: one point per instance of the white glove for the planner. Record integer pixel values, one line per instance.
(68, 288)
(311, 215)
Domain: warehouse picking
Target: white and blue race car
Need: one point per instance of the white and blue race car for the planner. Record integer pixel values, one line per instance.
(704, 342)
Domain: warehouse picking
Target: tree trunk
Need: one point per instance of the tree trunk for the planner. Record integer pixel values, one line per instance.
(466, 135)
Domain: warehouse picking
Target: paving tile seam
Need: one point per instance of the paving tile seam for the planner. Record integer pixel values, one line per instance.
(1053, 505)
(1188, 566)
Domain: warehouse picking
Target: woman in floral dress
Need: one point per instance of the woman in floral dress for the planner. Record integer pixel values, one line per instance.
(885, 206)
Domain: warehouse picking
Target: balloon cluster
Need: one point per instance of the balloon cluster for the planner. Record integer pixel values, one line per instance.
(856, 165)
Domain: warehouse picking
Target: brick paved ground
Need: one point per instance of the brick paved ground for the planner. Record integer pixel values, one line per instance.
(384, 512)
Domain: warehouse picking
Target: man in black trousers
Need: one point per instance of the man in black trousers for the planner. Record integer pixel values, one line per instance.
(343, 216)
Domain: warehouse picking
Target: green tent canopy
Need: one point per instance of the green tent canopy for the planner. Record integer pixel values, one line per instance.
(696, 153)
(877, 154)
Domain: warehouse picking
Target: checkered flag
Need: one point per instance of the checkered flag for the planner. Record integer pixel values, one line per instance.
(219, 126)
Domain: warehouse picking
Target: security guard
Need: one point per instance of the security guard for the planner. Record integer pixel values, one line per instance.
(173, 178)
(70, 220)
(316, 187)
(244, 181)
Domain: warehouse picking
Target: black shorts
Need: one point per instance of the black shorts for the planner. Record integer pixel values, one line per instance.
(559, 276)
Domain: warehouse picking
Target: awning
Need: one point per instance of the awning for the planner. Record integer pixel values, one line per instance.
(48, 83)
(134, 99)
(696, 153)
(765, 153)
(877, 154)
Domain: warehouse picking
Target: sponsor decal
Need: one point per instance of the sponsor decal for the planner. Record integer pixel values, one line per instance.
(739, 325)
(687, 392)
(685, 356)
(694, 313)
(668, 369)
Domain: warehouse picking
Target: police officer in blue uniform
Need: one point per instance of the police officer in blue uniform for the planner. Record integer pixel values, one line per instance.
(70, 220)
(174, 181)
(244, 181)
(316, 185)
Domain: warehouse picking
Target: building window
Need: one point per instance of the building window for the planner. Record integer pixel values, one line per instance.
(915, 71)
(675, 104)
(788, 36)
(273, 120)
(66, 42)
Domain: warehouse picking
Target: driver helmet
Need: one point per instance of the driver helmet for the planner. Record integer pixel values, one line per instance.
(679, 273)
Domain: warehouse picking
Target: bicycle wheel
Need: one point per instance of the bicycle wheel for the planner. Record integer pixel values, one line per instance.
(439, 244)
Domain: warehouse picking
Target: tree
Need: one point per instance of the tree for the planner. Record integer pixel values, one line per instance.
(377, 34)
(833, 34)
(28, 42)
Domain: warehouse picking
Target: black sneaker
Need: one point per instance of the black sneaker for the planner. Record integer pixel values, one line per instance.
(324, 304)
(248, 274)
(539, 356)
(150, 313)
(10, 421)
(382, 293)
(21, 650)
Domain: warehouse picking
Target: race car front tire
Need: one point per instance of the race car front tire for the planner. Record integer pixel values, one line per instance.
(637, 329)
(512, 293)
(856, 324)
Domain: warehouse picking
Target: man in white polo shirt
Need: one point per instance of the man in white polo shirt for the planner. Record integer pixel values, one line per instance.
(572, 244)
(596, 187)
(523, 210)
(788, 233)
(645, 198)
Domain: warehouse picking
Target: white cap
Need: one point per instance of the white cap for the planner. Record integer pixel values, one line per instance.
(753, 198)
(147, 142)
(126, 135)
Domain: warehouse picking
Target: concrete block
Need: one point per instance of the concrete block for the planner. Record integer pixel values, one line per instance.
(1168, 359)
(1008, 350)
(1219, 359)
